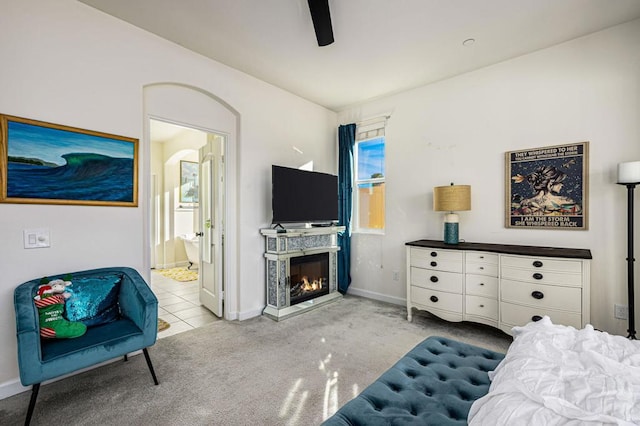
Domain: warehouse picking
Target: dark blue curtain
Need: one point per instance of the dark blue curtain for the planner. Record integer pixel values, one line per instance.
(346, 140)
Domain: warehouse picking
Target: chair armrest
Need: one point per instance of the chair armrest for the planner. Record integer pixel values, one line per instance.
(27, 328)
(138, 303)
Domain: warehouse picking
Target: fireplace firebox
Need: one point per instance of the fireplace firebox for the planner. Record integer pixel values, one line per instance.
(309, 277)
(301, 269)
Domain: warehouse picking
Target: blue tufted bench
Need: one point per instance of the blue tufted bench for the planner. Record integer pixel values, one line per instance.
(434, 384)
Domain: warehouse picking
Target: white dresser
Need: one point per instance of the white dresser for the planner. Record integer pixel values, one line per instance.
(499, 285)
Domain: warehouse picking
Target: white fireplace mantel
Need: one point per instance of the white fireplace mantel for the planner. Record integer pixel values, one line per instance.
(283, 244)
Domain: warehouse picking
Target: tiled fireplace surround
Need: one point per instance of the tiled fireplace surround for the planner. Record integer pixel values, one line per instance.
(283, 245)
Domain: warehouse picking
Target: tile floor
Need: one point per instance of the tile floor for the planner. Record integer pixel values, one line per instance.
(179, 305)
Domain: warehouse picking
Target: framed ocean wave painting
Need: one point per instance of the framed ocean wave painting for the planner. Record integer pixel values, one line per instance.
(45, 163)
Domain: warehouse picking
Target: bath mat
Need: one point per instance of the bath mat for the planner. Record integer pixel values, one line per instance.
(179, 274)
(162, 325)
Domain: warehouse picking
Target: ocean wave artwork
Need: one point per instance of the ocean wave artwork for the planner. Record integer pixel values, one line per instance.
(88, 177)
(56, 164)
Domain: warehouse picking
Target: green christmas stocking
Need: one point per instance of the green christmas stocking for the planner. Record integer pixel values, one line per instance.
(52, 324)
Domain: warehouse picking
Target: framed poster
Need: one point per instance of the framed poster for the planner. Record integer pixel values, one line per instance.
(188, 182)
(547, 188)
(44, 163)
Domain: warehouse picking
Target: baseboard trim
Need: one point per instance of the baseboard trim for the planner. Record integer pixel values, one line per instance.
(376, 296)
(171, 265)
(11, 388)
(249, 314)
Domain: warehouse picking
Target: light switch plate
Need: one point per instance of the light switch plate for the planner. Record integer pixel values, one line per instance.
(36, 238)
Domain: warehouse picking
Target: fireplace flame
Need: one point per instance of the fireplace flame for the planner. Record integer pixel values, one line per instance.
(310, 285)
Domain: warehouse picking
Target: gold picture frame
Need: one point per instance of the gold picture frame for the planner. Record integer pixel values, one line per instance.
(45, 163)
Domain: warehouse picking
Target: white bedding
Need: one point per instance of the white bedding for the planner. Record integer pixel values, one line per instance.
(557, 375)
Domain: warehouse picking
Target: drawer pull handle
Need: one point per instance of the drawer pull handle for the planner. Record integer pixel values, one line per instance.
(434, 279)
(481, 268)
(537, 264)
(481, 284)
(536, 318)
(537, 295)
(482, 306)
(434, 254)
(434, 299)
(538, 276)
(434, 264)
(481, 257)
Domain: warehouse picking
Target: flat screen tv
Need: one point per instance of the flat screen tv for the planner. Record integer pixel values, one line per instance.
(302, 196)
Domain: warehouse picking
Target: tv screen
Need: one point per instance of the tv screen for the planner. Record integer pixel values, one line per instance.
(301, 196)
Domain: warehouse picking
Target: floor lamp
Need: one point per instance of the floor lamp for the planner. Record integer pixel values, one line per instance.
(629, 176)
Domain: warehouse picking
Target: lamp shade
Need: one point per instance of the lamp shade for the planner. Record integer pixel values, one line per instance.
(452, 198)
(629, 172)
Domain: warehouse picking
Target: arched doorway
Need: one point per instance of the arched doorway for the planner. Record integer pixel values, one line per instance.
(198, 109)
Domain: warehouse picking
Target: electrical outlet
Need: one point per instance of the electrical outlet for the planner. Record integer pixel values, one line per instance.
(396, 275)
(621, 311)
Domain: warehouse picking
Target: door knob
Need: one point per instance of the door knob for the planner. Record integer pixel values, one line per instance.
(199, 234)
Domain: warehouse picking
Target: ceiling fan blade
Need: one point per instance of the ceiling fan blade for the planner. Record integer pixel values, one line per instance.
(321, 18)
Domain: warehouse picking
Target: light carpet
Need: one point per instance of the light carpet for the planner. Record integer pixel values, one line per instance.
(296, 372)
(181, 274)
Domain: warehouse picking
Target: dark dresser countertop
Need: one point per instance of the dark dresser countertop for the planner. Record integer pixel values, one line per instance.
(572, 253)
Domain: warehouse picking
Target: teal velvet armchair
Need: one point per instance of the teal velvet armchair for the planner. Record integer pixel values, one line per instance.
(133, 327)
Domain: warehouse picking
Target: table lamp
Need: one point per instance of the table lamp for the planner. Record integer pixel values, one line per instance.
(452, 198)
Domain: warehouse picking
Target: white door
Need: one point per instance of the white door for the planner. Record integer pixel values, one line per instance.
(210, 276)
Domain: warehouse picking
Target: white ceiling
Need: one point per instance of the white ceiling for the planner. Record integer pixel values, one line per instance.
(381, 46)
(160, 131)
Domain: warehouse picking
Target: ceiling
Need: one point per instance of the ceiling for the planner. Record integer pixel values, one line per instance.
(160, 131)
(381, 46)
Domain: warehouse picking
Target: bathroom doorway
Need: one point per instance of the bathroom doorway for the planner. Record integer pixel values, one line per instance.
(182, 160)
(193, 108)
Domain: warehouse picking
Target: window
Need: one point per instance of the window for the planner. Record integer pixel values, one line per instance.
(369, 185)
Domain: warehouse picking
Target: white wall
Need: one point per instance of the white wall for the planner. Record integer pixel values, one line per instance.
(458, 130)
(67, 63)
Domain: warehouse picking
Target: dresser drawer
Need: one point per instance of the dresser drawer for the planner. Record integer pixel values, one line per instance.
(481, 285)
(542, 296)
(542, 264)
(480, 257)
(442, 260)
(517, 315)
(481, 306)
(433, 299)
(482, 269)
(546, 277)
(437, 280)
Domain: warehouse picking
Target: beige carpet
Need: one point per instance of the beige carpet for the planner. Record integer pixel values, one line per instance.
(296, 372)
(179, 274)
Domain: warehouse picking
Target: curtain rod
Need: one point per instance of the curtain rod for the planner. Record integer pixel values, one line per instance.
(371, 119)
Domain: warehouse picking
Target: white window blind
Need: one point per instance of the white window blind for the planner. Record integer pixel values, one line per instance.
(370, 129)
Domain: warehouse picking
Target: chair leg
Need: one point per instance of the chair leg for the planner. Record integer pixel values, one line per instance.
(126, 358)
(32, 403)
(153, 373)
